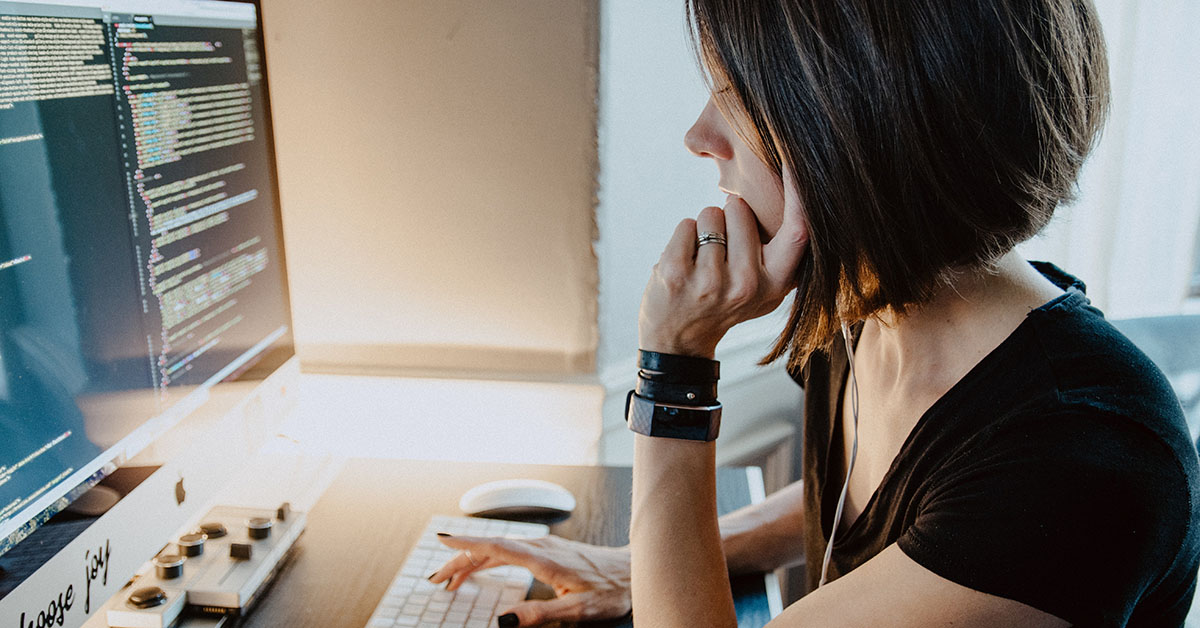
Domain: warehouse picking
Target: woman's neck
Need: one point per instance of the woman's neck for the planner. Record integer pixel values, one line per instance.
(936, 343)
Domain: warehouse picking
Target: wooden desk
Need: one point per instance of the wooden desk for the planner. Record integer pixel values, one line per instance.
(363, 526)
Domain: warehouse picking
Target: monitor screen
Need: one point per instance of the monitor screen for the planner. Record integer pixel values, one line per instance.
(140, 244)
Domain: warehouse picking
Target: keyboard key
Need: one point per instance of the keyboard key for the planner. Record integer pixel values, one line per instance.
(404, 584)
(413, 570)
(414, 602)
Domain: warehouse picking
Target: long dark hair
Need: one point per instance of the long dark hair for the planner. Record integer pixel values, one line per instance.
(927, 137)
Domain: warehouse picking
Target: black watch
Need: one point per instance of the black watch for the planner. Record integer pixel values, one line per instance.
(668, 420)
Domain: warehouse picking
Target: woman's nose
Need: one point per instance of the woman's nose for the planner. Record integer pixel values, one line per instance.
(708, 135)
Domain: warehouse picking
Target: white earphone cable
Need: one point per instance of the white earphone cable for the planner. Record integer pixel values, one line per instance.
(837, 516)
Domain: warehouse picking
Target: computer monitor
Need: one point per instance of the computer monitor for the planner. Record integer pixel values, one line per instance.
(141, 259)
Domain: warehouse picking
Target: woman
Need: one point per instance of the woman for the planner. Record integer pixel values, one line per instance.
(981, 447)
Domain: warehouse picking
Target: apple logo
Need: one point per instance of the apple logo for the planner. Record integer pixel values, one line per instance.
(180, 493)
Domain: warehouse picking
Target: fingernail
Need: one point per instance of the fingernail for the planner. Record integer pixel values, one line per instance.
(508, 620)
(430, 578)
(445, 534)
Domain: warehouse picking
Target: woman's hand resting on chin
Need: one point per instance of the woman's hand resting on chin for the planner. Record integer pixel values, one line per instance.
(696, 293)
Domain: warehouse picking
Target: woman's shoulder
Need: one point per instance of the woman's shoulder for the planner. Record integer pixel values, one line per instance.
(1107, 422)
(1094, 370)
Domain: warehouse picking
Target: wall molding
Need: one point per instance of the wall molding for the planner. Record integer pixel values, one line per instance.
(447, 361)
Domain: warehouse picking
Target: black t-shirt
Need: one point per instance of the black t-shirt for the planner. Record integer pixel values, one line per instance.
(1058, 473)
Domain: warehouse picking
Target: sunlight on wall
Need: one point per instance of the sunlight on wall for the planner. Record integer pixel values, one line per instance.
(436, 166)
(443, 419)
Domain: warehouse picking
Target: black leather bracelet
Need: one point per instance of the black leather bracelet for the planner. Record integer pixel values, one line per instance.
(678, 368)
(687, 394)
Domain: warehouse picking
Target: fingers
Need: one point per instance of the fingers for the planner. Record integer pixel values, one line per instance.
(710, 220)
(485, 553)
(745, 247)
(459, 568)
(537, 612)
(572, 607)
(455, 572)
(782, 254)
(682, 248)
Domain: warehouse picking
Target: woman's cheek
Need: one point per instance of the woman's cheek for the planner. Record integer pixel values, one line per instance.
(768, 225)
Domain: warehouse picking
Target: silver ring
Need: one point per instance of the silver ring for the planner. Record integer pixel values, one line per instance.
(711, 237)
(471, 558)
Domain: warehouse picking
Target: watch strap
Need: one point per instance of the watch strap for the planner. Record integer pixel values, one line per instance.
(659, 419)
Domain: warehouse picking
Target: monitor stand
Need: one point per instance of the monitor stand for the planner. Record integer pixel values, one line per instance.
(94, 502)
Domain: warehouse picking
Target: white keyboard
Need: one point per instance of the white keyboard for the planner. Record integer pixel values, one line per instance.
(412, 601)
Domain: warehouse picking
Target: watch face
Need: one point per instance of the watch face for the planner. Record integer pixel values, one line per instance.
(669, 421)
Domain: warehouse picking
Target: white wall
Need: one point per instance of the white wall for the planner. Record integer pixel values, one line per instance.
(437, 169)
(650, 92)
(1131, 236)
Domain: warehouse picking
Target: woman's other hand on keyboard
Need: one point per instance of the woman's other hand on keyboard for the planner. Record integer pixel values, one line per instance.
(591, 582)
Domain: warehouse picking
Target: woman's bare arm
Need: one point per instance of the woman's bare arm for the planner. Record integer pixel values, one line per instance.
(679, 573)
(767, 535)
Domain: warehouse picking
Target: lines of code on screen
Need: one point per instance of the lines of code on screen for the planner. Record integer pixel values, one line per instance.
(51, 57)
(190, 119)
